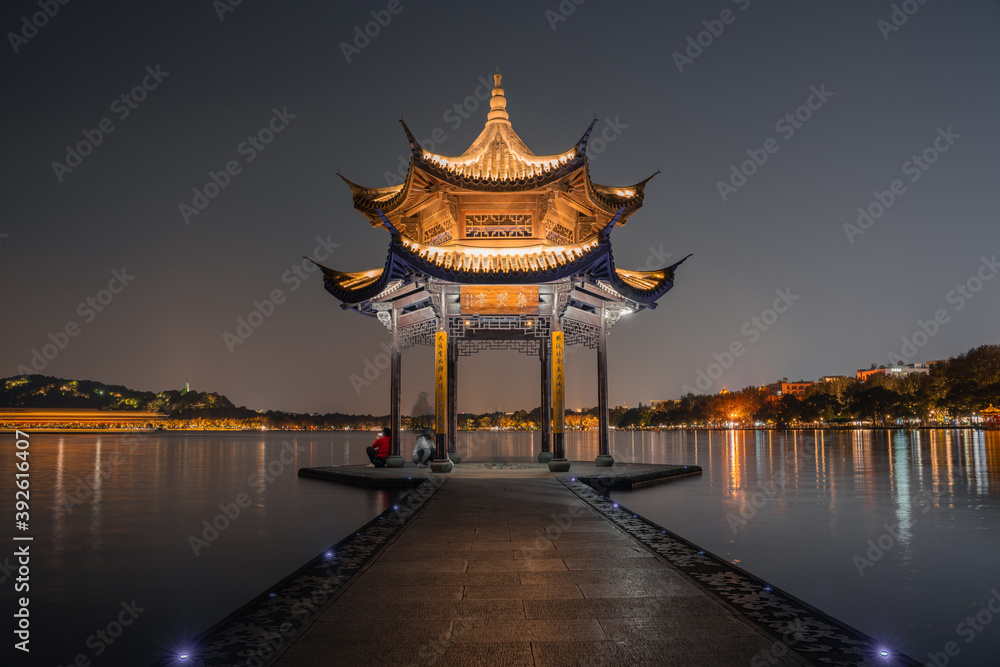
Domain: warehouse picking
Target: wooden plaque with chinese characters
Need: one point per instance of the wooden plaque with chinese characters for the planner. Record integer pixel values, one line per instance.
(499, 300)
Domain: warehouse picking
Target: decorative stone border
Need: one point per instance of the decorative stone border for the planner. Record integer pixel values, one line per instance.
(626, 478)
(795, 625)
(373, 478)
(255, 634)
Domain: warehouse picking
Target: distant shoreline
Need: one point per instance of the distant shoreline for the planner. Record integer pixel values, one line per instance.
(77, 430)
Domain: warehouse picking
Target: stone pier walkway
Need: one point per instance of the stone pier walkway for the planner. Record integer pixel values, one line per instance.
(516, 570)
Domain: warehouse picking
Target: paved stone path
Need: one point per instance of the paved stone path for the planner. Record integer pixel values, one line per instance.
(516, 570)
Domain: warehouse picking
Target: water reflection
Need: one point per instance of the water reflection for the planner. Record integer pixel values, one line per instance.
(893, 531)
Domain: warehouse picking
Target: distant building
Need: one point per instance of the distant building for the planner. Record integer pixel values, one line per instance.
(908, 369)
(895, 371)
(832, 378)
(797, 389)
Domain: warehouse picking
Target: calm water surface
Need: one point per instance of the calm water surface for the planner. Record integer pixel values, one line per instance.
(796, 508)
(893, 532)
(129, 536)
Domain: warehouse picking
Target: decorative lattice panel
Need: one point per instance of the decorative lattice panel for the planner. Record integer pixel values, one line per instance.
(498, 225)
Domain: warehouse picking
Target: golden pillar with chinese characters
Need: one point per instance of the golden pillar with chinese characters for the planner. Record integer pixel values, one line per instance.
(558, 462)
(441, 462)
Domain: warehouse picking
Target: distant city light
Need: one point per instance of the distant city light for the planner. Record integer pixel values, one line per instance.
(884, 653)
(183, 656)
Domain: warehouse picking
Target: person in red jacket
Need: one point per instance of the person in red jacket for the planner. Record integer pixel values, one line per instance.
(379, 450)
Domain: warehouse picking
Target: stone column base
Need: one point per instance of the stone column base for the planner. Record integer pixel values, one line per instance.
(604, 461)
(444, 465)
(544, 457)
(394, 461)
(558, 465)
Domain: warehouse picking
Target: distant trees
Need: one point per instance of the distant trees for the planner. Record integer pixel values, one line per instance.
(956, 387)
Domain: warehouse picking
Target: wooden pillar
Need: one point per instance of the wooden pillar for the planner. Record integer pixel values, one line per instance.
(545, 418)
(394, 460)
(604, 458)
(441, 462)
(558, 462)
(453, 400)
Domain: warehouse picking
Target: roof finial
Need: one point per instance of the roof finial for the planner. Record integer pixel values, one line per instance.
(498, 103)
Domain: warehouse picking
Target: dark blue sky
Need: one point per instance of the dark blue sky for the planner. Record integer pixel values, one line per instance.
(887, 96)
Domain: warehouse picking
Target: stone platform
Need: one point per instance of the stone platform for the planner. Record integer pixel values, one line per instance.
(620, 477)
(510, 564)
(507, 563)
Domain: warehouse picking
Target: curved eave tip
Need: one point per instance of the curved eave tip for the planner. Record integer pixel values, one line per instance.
(581, 145)
(675, 265)
(388, 225)
(414, 144)
(643, 182)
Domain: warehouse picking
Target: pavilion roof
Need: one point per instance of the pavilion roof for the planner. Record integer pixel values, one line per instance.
(497, 266)
(497, 161)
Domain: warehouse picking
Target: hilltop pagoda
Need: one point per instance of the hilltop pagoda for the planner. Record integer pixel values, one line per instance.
(499, 249)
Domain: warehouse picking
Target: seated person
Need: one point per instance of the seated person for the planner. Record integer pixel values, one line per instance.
(424, 451)
(379, 450)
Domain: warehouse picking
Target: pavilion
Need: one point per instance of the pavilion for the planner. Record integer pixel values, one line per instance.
(499, 249)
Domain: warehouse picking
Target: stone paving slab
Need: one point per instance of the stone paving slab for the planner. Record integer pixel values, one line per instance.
(515, 565)
(594, 591)
(536, 576)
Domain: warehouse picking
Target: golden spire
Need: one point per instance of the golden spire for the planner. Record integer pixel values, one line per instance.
(498, 103)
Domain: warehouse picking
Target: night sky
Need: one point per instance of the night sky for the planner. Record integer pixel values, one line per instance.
(881, 94)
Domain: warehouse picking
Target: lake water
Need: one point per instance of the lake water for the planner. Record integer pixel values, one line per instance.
(116, 520)
(893, 532)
